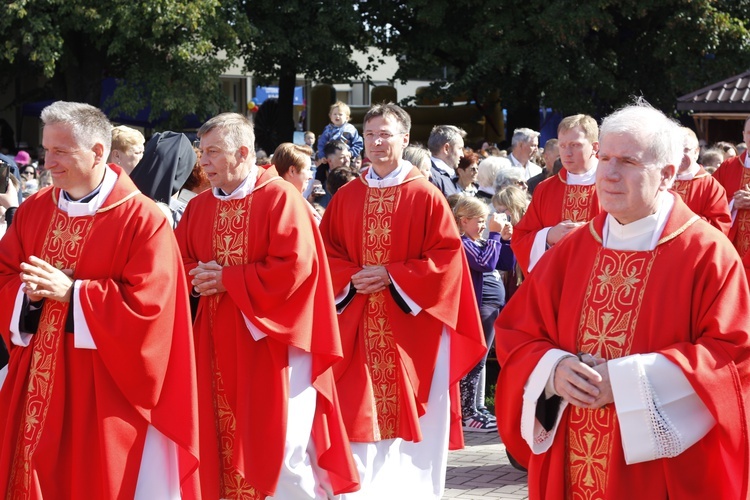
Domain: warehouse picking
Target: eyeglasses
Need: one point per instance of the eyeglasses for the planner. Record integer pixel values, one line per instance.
(473, 170)
(383, 136)
(28, 172)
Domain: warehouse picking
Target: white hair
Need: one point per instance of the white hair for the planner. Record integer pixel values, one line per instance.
(488, 169)
(523, 135)
(509, 176)
(661, 136)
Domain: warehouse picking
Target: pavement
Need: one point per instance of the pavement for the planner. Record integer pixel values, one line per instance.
(481, 471)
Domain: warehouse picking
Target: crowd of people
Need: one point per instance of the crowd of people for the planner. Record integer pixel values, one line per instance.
(198, 320)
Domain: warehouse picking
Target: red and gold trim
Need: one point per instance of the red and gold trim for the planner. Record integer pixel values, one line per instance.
(380, 345)
(742, 237)
(609, 316)
(66, 237)
(230, 233)
(577, 203)
(682, 188)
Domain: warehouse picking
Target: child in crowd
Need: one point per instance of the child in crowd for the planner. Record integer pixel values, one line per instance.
(483, 257)
(340, 128)
(513, 202)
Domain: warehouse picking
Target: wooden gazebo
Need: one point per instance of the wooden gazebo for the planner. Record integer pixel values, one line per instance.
(719, 110)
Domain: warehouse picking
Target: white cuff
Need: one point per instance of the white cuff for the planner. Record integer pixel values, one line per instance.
(415, 309)
(82, 338)
(659, 413)
(539, 439)
(539, 247)
(17, 337)
(254, 331)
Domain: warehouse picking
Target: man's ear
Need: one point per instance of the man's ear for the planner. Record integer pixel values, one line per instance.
(668, 173)
(98, 150)
(244, 152)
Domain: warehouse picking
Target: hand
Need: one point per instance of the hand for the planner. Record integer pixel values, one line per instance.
(577, 383)
(9, 198)
(207, 278)
(507, 232)
(558, 232)
(605, 386)
(44, 281)
(496, 223)
(742, 199)
(371, 279)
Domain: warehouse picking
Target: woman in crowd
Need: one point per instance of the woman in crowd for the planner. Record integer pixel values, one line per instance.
(293, 164)
(483, 257)
(466, 174)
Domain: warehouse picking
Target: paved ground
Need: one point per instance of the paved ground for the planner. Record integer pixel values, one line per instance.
(481, 471)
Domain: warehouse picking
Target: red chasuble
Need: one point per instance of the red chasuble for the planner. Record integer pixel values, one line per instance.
(75, 420)
(584, 297)
(276, 274)
(733, 175)
(706, 197)
(389, 355)
(554, 201)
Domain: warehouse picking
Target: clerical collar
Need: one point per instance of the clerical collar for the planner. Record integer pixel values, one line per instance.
(396, 177)
(441, 165)
(689, 174)
(89, 204)
(639, 235)
(747, 161)
(584, 179)
(244, 189)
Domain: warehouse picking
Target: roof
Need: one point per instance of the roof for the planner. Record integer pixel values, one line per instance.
(732, 95)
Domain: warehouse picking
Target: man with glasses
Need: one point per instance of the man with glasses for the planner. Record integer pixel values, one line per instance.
(265, 329)
(525, 143)
(407, 313)
(565, 201)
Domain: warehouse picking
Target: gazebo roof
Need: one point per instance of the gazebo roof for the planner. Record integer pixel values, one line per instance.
(730, 95)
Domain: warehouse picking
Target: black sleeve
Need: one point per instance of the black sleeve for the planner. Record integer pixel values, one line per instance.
(547, 410)
(399, 299)
(349, 296)
(9, 213)
(31, 313)
(70, 326)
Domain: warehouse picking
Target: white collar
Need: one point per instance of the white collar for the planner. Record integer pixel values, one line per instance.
(396, 177)
(639, 235)
(584, 179)
(77, 209)
(747, 161)
(441, 165)
(689, 174)
(244, 189)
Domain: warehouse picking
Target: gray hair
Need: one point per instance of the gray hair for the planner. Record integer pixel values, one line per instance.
(660, 136)
(523, 135)
(488, 169)
(389, 111)
(417, 156)
(89, 124)
(239, 130)
(443, 134)
(509, 176)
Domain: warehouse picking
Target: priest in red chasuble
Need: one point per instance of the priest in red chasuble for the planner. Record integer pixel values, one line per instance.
(698, 189)
(625, 371)
(564, 201)
(265, 330)
(408, 317)
(734, 176)
(99, 401)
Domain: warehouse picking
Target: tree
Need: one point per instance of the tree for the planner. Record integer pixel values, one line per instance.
(584, 57)
(314, 38)
(164, 53)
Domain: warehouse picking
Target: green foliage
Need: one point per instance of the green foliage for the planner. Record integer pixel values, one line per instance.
(167, 50)
(585, 56)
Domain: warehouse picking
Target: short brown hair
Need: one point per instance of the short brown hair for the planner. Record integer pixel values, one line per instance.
(289, 155)
(389, 110)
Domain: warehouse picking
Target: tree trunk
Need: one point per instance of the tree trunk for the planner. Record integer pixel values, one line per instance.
(284, 123)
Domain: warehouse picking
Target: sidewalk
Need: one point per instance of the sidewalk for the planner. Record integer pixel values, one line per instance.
(481, 471)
